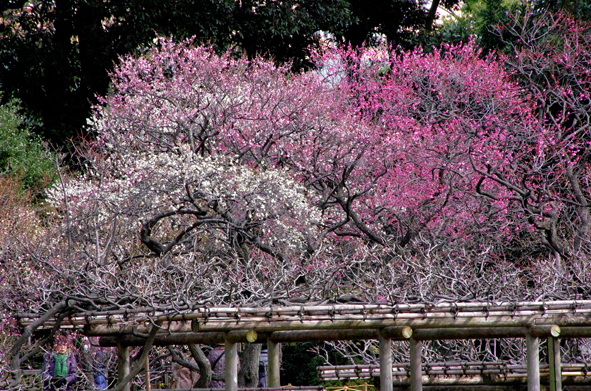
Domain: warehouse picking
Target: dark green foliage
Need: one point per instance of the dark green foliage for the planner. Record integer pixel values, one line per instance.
(56, 54)
(478, 18)
(22, 155)
(398, 20)
(581, 9)
(298, 364)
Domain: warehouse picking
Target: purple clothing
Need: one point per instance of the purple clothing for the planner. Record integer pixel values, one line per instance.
(49, 367)
(217, 359)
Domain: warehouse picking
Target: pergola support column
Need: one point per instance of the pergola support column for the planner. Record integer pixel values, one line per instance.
(416, 368)
(148, 380)
(533, 363)
(231, 367)
(123, 365)
(554, 361)
(385, 363)
(273, 352)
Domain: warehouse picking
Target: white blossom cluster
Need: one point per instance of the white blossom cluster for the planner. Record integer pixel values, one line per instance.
(140, 186)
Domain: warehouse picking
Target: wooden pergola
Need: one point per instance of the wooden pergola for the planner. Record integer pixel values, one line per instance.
(329, 322)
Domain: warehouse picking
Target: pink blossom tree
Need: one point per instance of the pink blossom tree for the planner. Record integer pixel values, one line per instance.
(453, 116)
(376, 178)
(551, 60)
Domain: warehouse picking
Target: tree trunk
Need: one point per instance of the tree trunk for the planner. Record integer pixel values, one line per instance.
(431, 15)
(249, 365)
(204, 366)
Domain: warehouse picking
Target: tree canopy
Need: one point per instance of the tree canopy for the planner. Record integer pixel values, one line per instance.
(384, 176)
(57, 54)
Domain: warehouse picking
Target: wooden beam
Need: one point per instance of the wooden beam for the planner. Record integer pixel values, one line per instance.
(533, 363)
(165, 339)
(414, 322)
(485, 332)
(397, 333)
(416, 370)
(323, 335)
(394, 333)
(273, 352)
(123, 365)
(554, 364)
(545, 331)
(575, 332)
(385, 347)
(429, 321)
(231, 366)
(241, 336)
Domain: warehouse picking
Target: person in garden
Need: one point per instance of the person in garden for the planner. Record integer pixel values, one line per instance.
(94, 362)
(59, 370)
(217, 360)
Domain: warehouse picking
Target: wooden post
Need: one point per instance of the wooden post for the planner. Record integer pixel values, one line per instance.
(148, 381)
(231, 367)
(533, 363)
(385, 363)
(554, 361)
(273, 351)
(123, 366)
(416, 370)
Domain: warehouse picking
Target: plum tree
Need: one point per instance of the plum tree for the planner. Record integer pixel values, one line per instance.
(217, 180)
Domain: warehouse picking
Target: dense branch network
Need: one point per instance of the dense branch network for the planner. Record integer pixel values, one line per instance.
(413, 178)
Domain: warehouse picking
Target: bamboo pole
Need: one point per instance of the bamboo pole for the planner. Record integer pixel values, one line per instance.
(369, 312)
(458, 369)
(123, 365)
(533, 363)
(231, 366)
(179, 312)
(185, 338)
(554, 364)
(416, 372)
(275, 323)
(385, 347)
(273, 352)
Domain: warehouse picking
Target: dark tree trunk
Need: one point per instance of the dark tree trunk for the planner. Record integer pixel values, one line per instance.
(431, 15)
(204, 367)
(249, 365)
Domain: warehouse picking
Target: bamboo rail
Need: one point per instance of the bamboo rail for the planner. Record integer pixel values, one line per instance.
(215, 318)
(503, 369)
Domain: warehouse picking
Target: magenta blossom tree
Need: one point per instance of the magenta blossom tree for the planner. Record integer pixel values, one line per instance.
(453, 118)
(551, 59)
(383, 178)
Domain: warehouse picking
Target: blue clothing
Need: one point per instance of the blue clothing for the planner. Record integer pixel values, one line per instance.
(100, 382)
